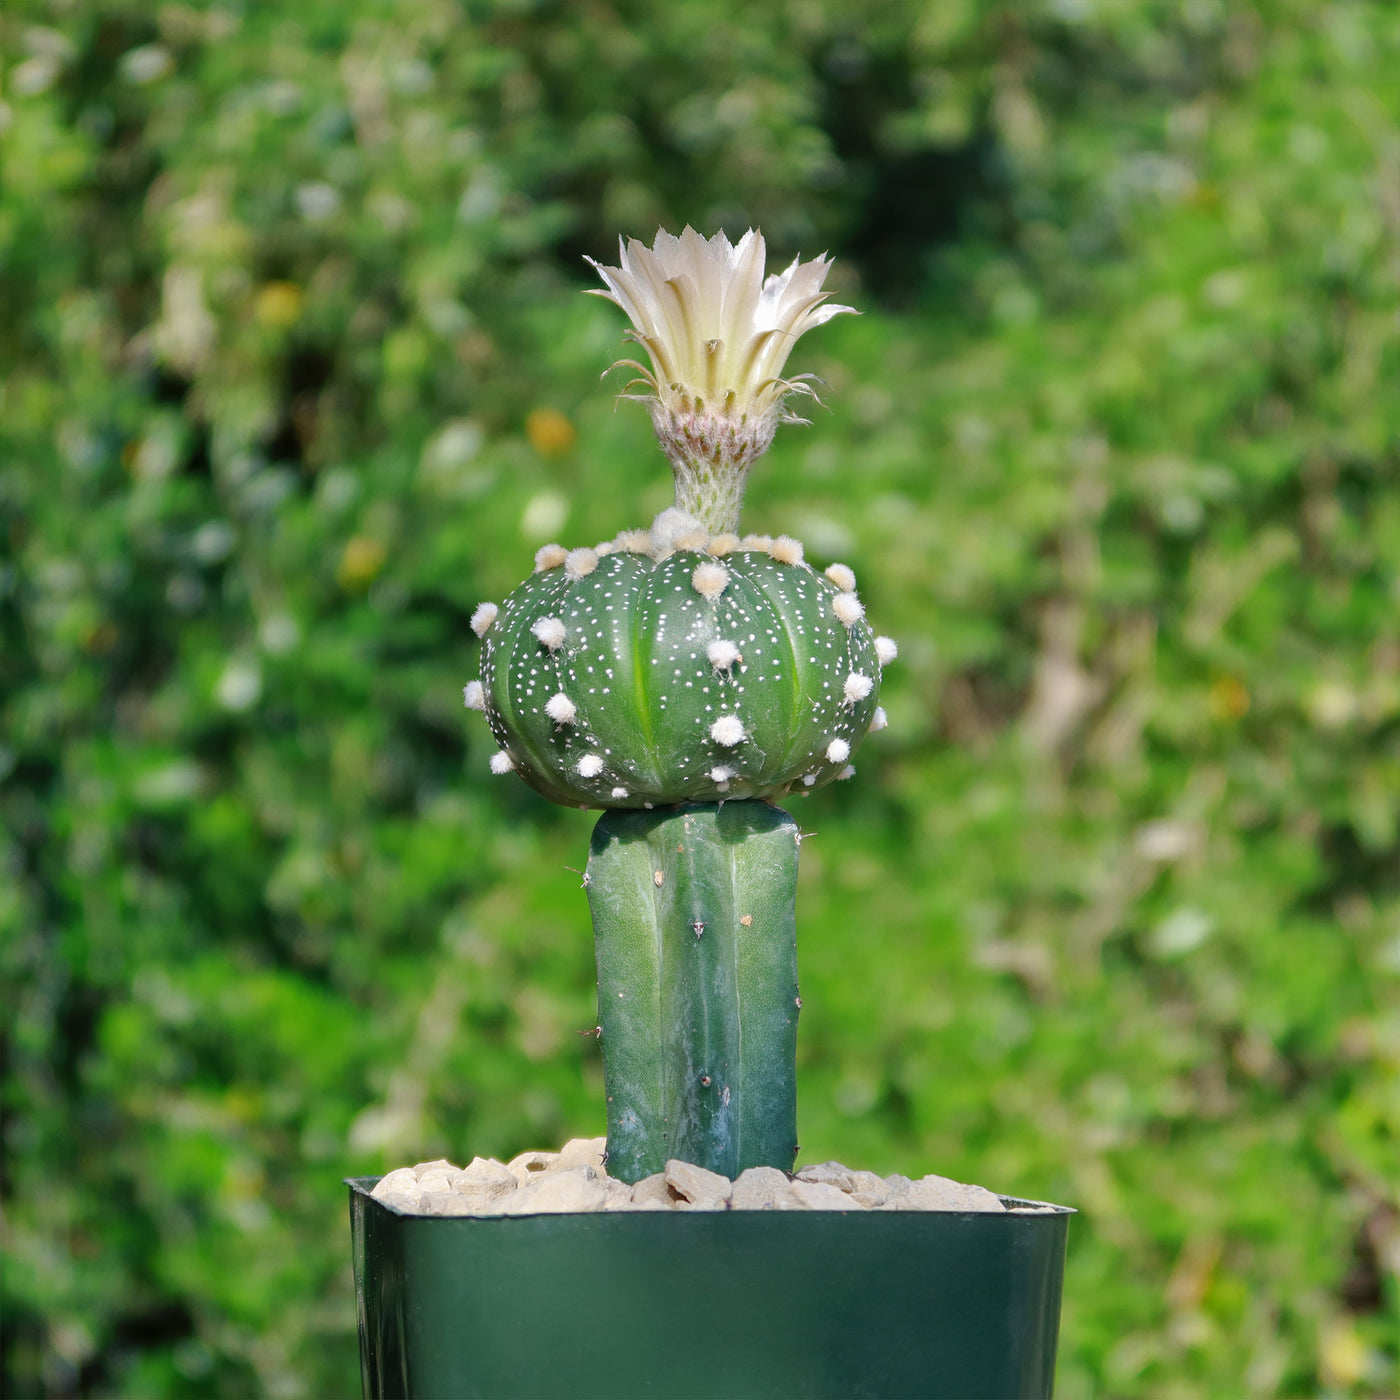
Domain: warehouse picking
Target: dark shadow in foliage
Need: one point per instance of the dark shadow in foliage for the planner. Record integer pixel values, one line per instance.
(905, 203)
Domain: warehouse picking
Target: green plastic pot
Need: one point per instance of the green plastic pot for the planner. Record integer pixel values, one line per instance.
(707, 1304)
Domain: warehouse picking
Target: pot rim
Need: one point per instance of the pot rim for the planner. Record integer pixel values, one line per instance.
(1017, 1208)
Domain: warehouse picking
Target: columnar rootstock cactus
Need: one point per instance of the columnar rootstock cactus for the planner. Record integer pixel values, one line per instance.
(697, 978)
(690, 673)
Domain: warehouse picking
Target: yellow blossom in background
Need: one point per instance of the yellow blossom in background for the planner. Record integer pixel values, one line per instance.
(278, 305)
(1344, 1356)
(1228, 699)
(360, 562)
(551, 434)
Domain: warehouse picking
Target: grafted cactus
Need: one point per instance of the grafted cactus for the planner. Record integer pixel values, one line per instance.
(695, 675)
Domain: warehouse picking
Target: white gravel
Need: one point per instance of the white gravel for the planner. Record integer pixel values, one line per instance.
(574, 1180)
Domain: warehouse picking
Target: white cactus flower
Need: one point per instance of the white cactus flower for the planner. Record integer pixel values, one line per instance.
(718, 334)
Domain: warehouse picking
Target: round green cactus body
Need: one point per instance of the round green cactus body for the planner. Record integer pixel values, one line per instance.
(637, 675)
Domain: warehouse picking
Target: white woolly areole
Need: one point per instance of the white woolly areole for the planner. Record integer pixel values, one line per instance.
(846, 772)
(474, 695)
(550, 631)
(579, 563)
(590, 765)
(728, 730)
(560, 708)
(603, 548)
(886, 649)
(760, 543)
(786, 550)
(697, 541)
(810, 780)
(857, 687)
(709, 580)
(879, 719)
(720, 545)
(722, 654)
(842, 577)
(848, 608)
(549, 556)
(618, 793)
(483, 617)
(722, 773)
(838, 751)
(501, 763)
(634, 541)
(671, 526)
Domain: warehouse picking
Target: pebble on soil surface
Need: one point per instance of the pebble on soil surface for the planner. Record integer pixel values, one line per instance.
(575, 1181)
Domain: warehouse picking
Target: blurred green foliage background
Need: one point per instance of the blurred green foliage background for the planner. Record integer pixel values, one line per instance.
(296, 372)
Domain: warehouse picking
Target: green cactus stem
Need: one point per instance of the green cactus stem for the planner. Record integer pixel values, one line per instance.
(659, 669)
(693, 919)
